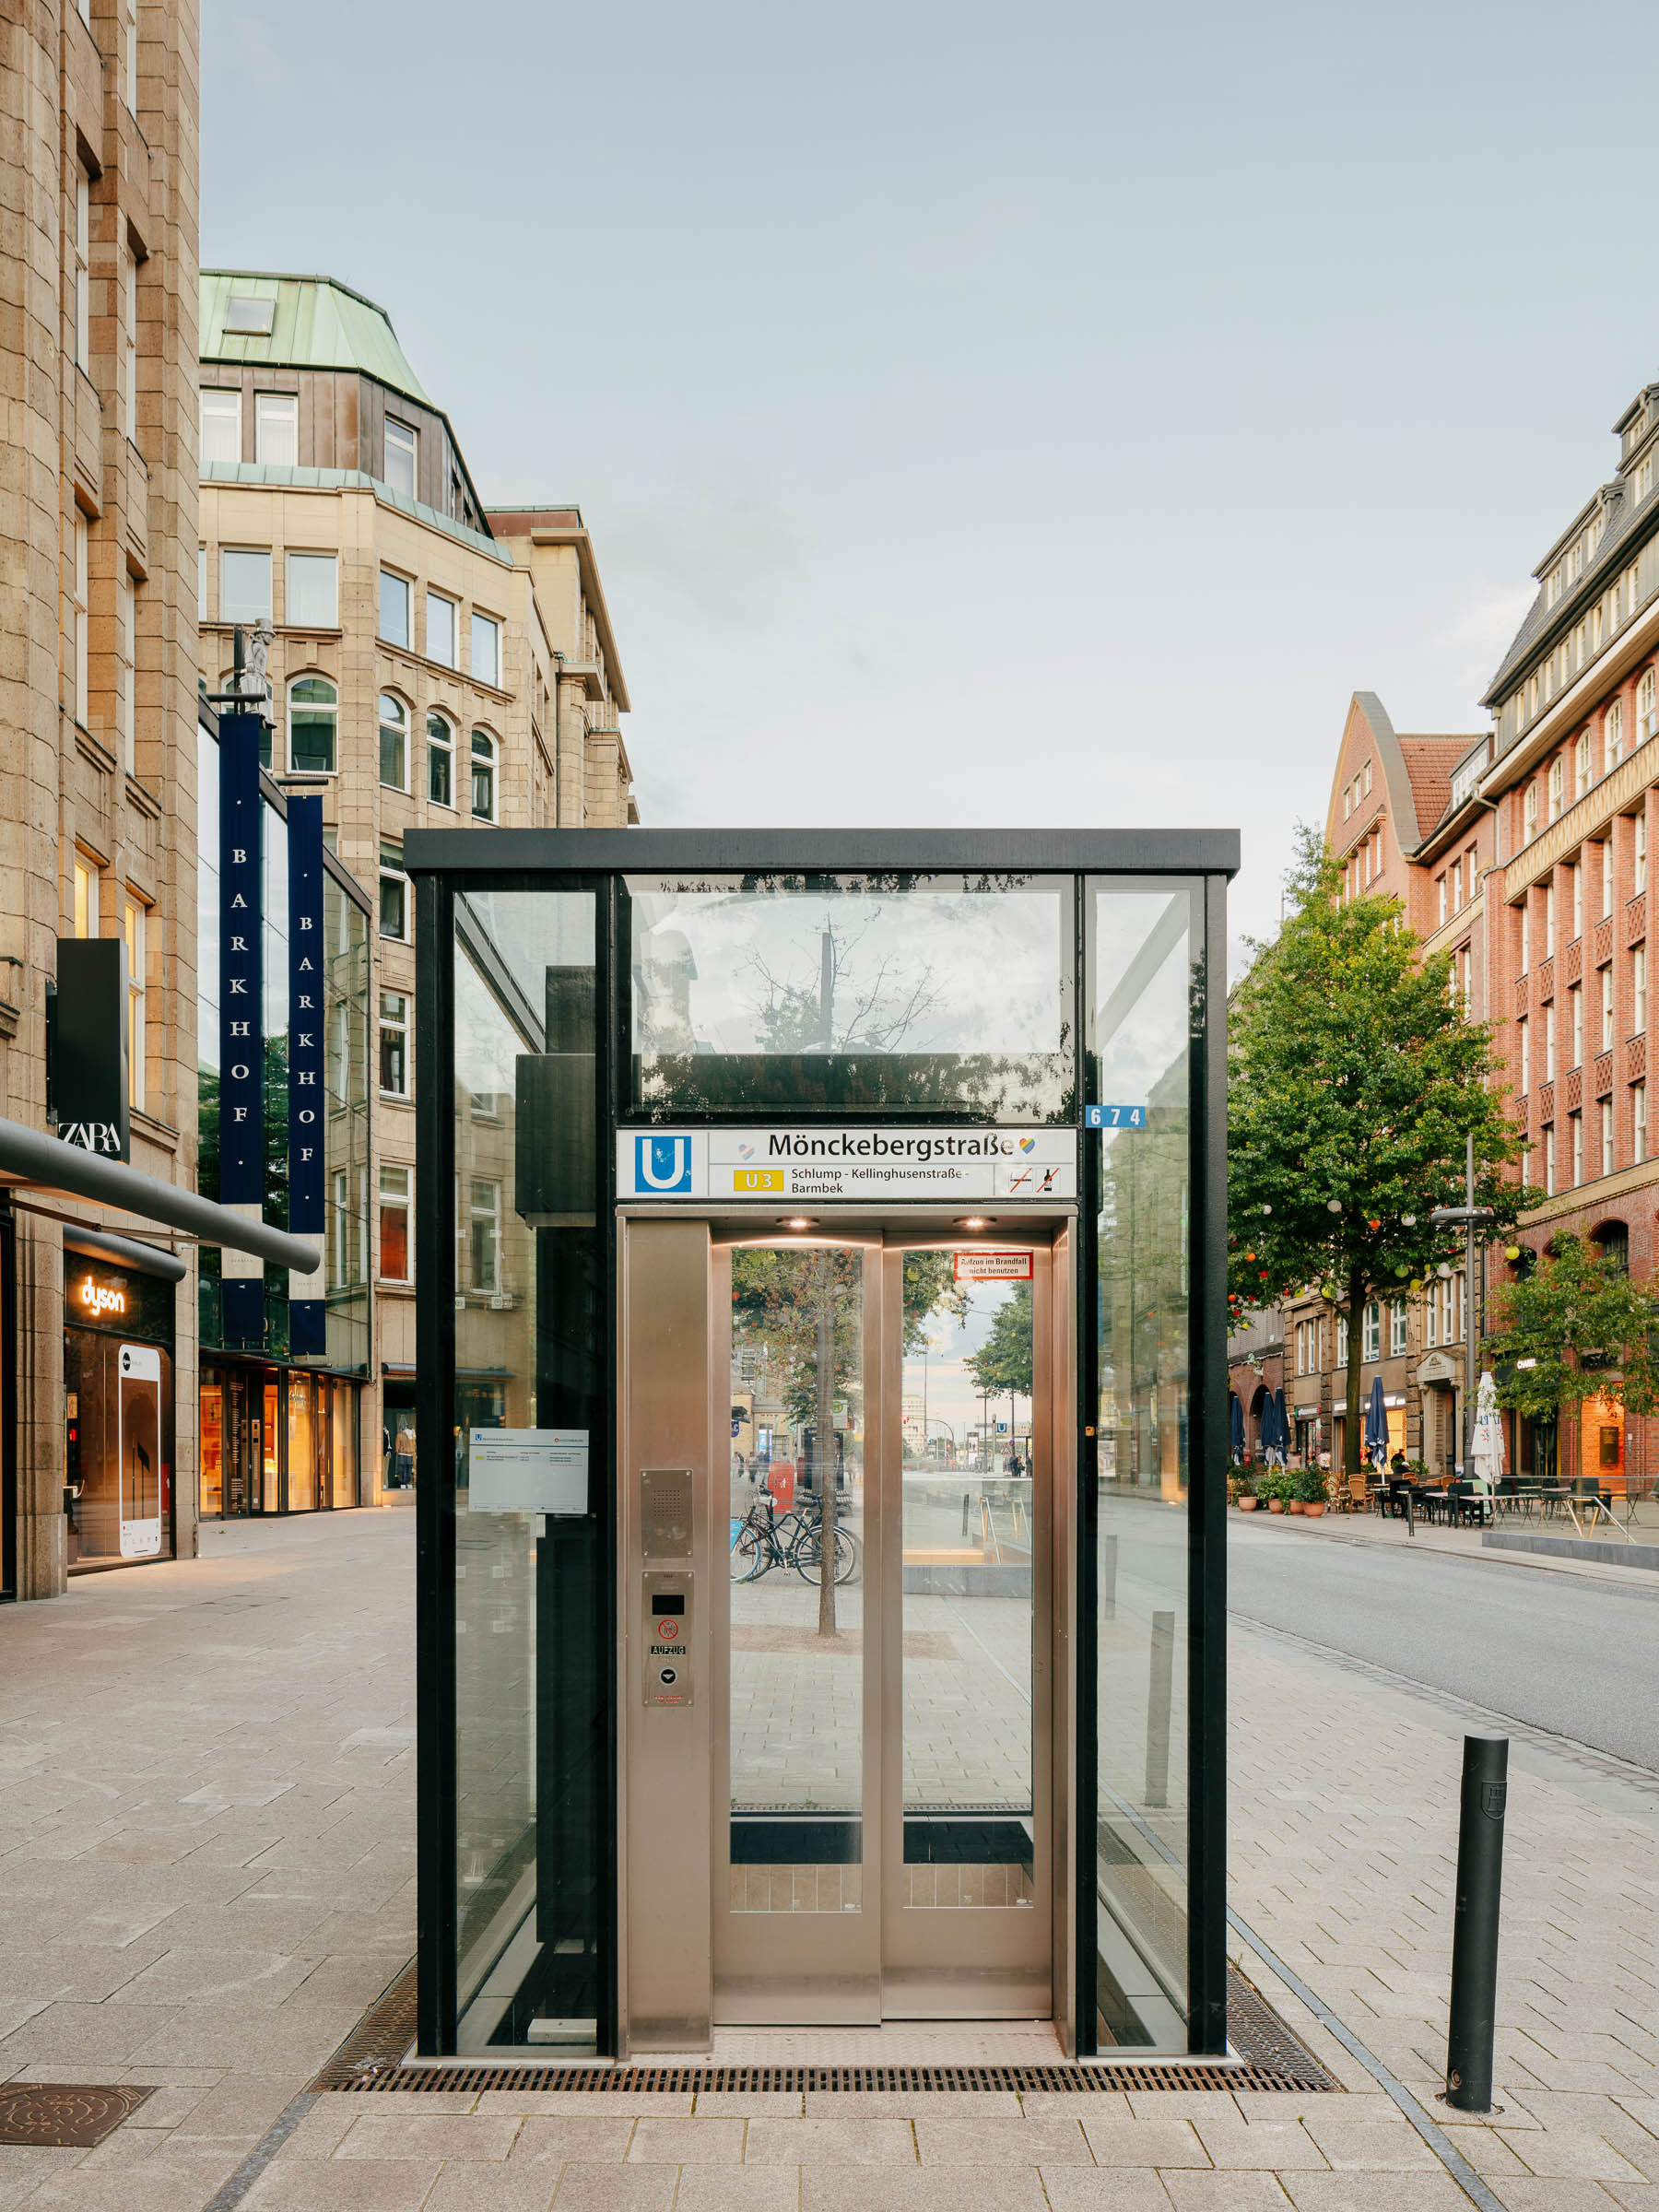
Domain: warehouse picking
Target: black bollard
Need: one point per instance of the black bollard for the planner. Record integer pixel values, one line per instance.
(965, 1505)
(1475, 1934)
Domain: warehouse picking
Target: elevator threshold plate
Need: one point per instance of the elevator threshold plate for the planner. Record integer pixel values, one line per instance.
(914, 2056)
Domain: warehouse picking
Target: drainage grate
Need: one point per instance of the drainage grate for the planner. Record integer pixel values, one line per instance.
(64, 2115)
(1269, 2057)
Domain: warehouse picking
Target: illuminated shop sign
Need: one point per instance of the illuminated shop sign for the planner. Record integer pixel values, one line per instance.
(99, 1299)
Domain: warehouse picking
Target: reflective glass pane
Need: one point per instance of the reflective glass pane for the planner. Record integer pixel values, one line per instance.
(530, 1781)
(797, 1637)
(968, 1492)
(1141, 997)
(909, 994)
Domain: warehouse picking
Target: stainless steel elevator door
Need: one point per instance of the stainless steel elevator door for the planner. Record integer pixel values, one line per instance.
(881, 1790)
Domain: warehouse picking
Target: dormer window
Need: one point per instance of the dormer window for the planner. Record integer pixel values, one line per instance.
(1644, 476)
(249, 318)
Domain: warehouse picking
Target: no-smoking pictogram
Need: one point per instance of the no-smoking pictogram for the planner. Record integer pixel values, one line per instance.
(668, 1631)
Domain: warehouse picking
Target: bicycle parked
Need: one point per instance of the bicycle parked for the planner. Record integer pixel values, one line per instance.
(763, 1539)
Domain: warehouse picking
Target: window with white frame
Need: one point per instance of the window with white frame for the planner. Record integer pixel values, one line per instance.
(485, 650)
(202, 584)
(132, 924)
(1530, 811)
(129, 345)
(1431, 1315)
(221, 428)
(1613, 737)
(483, 776)
(129, 54)
(396, 1219)
(1396, 1328)
(394, 891)
(1442, 887)
(1524, 1033)
(483, 1220)
(1575, 1123)
(1550, 1041)
(83, 895)
(402, 446)
(1607, 879)
(338, 1067)
(1647, 713)
(313, 726)
(244, 585)
(1347, 802)
(1555, 789)
(440, 762)
(1638, 854)
(1525, 933)
(1371, 1338)
(1342, 1341)
(393, 609)
(441, 633)
(1581, 765)
(82, 605)
(312, 591)
(83, 269)
(395, 1044)
(1576, 877)
(339, 1230)
(1638, 990)
(1549, 1159)
(276, 429)
(393, 742)
(1638, 1122)
(1606, 1136)
(1607, 1009)
(1550, 925)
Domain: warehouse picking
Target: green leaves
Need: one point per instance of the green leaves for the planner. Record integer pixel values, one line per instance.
(1583, 1329)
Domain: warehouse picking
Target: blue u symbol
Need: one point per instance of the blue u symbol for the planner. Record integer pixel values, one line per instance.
(663, 1163)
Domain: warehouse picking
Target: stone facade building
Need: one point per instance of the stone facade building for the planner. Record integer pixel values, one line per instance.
(98, 512)
(432, 662)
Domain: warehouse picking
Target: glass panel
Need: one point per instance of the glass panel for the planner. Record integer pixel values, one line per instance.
(343, 1454)
(270, 1499)
(797, 1645)
(244, 587)
(313, 599)
(966, 1647)
(1142, 994)
(531, 1786)
(213, 1446)
(301, 1444)
(909, 994)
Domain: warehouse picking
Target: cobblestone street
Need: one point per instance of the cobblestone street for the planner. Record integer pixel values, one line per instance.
(208, 1899)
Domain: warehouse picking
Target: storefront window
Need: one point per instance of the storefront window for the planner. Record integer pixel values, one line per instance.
(1142, 960)
(909, 994)
(118, 1412)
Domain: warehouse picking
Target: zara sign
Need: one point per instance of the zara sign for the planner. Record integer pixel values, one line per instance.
(88, 1048)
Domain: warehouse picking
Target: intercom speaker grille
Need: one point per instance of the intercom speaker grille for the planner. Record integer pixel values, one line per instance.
(666, 1513)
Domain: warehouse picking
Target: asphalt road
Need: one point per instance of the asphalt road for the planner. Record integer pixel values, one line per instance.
(1559, 1651)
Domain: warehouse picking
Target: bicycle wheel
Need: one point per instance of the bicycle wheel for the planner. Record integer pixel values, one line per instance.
(749, 1549)
(807, 1557)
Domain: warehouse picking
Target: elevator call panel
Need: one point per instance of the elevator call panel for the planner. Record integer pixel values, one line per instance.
(668, 1645)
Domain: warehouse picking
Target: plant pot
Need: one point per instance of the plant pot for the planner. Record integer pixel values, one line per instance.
(1314, 1512)
(1247, 1505)
(1275, 1505)
(1297, 1506)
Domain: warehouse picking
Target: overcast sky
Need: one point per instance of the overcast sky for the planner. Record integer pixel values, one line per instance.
(990, 415)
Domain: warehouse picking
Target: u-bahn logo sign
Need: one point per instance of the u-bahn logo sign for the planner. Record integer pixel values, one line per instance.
(872, 1164)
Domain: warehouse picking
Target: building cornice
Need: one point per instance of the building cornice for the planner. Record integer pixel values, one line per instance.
(1603, 1191)
(1582, 819)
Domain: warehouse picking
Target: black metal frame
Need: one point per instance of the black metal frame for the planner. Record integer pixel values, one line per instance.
(441, 862)
(9, 1403)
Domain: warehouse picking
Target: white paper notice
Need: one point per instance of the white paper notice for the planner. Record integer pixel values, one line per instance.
(529, 1470)
(981, 1267)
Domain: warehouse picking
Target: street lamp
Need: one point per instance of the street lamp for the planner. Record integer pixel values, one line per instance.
(1471, 1215)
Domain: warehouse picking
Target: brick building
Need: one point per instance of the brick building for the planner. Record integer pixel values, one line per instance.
(97, 514)
(430, 663)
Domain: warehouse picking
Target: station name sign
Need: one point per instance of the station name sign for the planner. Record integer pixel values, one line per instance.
(861, 1163)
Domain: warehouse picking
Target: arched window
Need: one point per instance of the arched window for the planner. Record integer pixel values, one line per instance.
(440, 762)
(313, 716)
(483, 776)
(393, 742)
(1647, 714)
(1614, 1238)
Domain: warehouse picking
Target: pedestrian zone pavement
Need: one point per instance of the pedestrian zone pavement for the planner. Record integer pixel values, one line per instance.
(206, 1874)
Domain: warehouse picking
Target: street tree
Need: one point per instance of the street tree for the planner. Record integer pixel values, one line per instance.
(1577, 1329)
(1004, 1361)
(1355, 1082)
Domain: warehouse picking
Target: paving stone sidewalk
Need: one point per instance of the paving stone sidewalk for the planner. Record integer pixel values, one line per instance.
(206, 1876)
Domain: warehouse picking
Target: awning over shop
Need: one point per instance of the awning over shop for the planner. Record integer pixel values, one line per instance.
(36, 1162)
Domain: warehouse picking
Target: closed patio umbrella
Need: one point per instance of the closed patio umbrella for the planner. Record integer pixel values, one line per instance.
(1235, 1427)
(1281, 1426)
(1376, 1425)
(1487, 1451)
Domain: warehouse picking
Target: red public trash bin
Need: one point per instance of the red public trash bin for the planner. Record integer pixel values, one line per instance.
(779, 1481)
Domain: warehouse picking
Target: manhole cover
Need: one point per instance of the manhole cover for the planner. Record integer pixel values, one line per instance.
(69, 2115)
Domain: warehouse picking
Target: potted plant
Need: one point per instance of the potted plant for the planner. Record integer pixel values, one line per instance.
(1271, 1486)
(1311, 1489)
(1240, 1491)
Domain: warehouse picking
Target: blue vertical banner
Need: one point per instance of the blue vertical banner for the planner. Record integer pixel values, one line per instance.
(307, 1334)
(242, 1011)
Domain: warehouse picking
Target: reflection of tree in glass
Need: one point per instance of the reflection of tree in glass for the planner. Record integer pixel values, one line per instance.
(1002, 1366)
(837, 1014)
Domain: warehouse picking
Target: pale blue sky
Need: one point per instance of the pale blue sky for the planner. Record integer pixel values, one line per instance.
(992, 416)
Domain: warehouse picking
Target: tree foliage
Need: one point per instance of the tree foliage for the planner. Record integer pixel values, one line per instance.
(1583, 1329)
(1355, 1080)
(1003, 1363)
